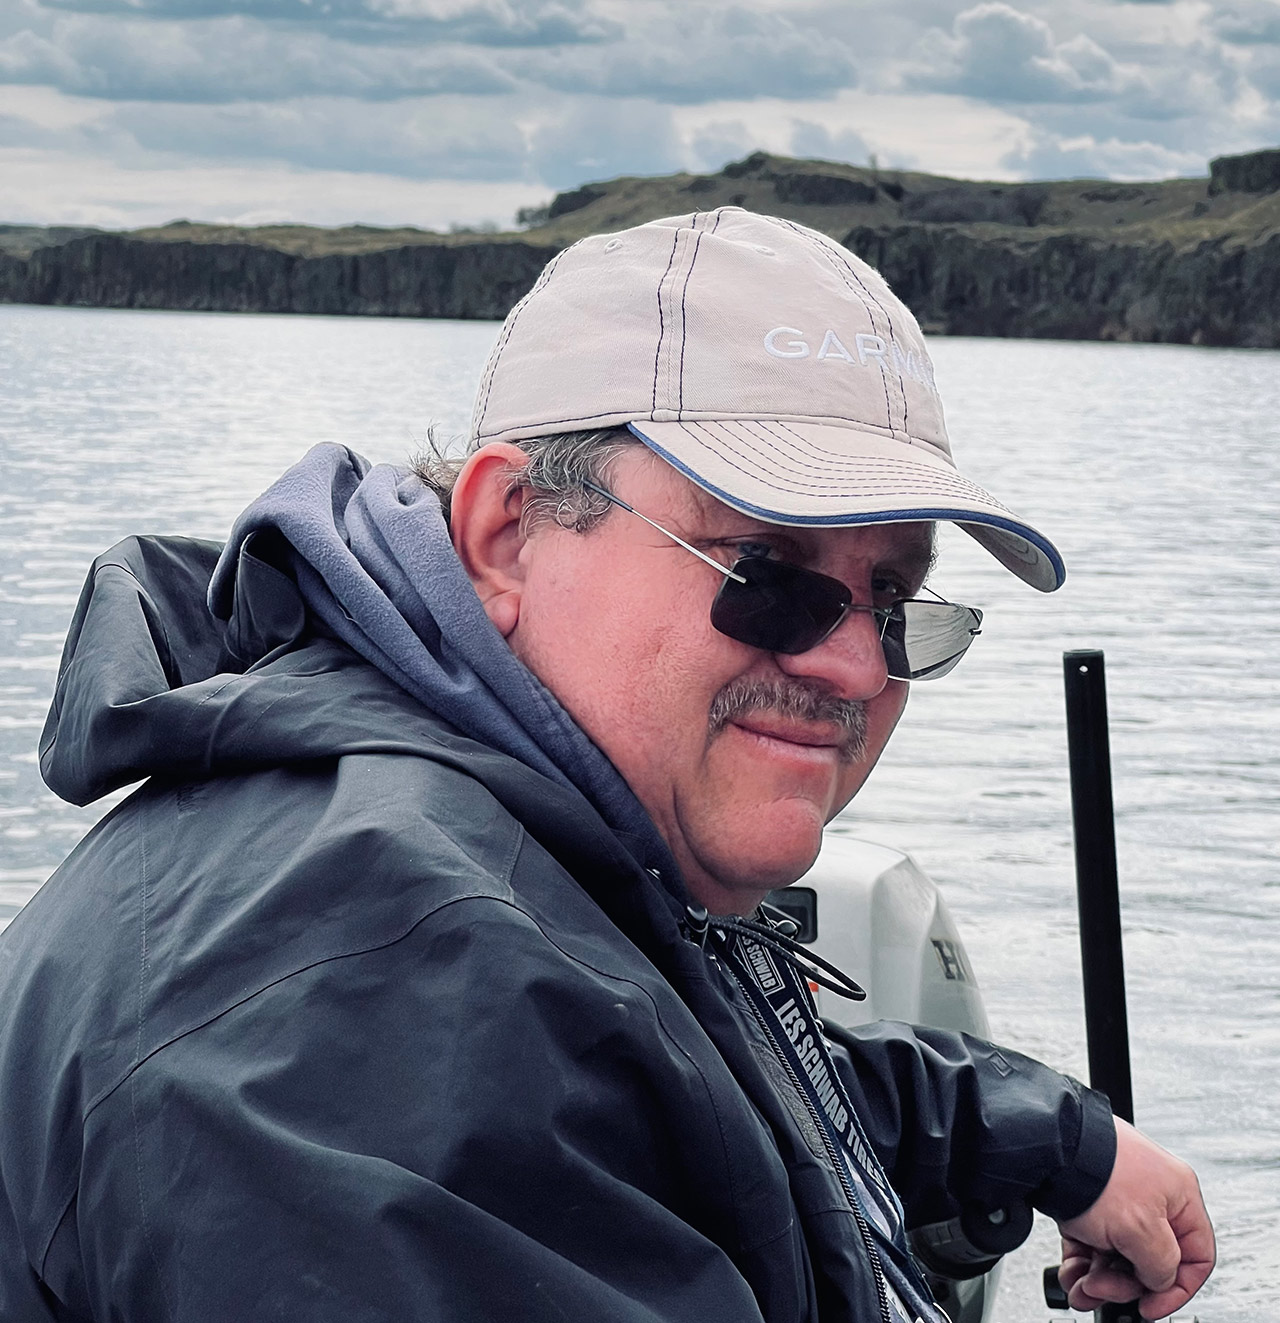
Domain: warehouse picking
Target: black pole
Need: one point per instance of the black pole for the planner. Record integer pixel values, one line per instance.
(1098, 895)
(1097, 883)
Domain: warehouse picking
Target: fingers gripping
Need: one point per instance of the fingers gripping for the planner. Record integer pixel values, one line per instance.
(1146, 1238)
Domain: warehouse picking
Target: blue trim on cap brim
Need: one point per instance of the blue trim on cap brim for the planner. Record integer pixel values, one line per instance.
(1042, 544)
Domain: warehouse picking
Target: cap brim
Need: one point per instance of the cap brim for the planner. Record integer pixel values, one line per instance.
(819, 474)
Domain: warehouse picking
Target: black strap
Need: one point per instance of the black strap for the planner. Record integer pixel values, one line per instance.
(780, 994)
(808, 962)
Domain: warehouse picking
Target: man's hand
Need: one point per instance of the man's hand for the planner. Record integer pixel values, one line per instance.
(1146, 1238)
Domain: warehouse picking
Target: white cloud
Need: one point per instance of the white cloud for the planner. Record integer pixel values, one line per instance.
(436, 138)
(1000, 54)
(548, 94)
(601, 137)
(1085, 157)
(18, 131)
(713, 145)
(28, 58)
(232, 59)
(697, 54)
(1264, 73)
(818, 142)
(923, 131)
(236, 51)
(78, 189)
(478, 22)
(1247, 22)
(500, 22)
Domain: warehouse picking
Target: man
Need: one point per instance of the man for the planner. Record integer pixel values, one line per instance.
(394, 992)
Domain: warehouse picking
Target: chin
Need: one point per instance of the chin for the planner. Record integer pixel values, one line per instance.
(757, 858)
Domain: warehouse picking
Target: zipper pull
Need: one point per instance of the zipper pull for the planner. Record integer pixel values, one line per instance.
(696, 921)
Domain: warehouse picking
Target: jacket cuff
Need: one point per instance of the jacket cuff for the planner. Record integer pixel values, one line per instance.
(1076, 1188)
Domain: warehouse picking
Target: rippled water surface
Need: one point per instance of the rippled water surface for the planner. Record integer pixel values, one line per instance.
(1157, 471)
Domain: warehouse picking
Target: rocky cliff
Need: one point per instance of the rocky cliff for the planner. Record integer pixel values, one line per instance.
(413, 280)
(1184, 260)
(1081, 287)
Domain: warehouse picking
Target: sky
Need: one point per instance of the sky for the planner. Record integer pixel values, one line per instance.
(451, 113)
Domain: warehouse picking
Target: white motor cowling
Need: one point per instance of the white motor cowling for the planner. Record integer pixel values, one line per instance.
(871, 911)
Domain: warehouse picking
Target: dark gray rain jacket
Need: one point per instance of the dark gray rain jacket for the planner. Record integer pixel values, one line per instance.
(345, 1016)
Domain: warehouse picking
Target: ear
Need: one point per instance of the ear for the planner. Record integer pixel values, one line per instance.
(484, 522)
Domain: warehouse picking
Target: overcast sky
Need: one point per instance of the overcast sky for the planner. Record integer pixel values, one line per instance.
(439, 112)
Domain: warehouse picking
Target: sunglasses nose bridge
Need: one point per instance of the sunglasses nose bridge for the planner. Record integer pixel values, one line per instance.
(877, 616)
(880, 616)
(850, 654)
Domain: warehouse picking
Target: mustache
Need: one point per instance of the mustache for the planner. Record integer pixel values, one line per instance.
(798, 700)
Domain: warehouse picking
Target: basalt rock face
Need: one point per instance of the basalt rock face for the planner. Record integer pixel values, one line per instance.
(1182, 260)
(13, 280)
(821, 189)
(477, 280)
(1081, 288)
(564, 203)
(1255, 172)
(968, 206)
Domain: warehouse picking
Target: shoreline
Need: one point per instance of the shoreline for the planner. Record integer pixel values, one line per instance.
(1182, 261)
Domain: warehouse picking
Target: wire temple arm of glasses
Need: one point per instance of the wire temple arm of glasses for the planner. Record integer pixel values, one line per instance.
(701, 555)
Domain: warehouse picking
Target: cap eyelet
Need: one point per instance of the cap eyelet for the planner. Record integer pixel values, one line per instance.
(613, 245)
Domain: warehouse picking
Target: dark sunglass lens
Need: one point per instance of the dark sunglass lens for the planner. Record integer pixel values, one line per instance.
(780, 608)
(924, 640)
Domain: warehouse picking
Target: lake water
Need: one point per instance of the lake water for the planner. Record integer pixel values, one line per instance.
(1156, 469)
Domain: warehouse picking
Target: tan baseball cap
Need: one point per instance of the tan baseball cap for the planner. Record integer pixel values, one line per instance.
(767, 363)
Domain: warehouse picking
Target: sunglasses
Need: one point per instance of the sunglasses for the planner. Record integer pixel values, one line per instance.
(783, 608)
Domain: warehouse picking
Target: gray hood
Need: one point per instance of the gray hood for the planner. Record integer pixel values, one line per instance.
(148, 683)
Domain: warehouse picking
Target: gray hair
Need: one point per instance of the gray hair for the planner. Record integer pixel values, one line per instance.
(560, 464)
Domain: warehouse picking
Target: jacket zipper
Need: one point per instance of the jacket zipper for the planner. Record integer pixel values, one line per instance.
(836, 1158)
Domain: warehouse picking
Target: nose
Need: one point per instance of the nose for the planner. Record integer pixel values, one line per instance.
(850, 659)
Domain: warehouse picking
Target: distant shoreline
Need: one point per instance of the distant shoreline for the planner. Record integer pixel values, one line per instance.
(1188, 261)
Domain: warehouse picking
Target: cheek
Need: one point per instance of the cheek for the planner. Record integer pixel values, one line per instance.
(647, 699)
(616, 651)
(883, 713)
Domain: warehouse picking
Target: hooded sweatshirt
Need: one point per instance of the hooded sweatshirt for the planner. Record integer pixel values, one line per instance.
(372, 1003)
(371, 554)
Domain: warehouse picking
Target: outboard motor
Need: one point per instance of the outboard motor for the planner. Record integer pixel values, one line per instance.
(872, 912)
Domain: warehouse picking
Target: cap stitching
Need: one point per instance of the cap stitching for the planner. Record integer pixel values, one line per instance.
(867, 301)
(863, 490)
(684, 318)
(951, 478)
(634, 415)
(505, 339)
(734, 460)
(940, 482)
(840, 260)
(835, 454)
(844, 270)
(662, 325)
(863, 473)
(558, 422)
(888, 316)
(966, 519)
(675, 340)
(822, 450)
(678, 334)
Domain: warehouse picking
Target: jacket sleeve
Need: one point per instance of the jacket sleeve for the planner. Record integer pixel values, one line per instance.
(956, 1120)
(457, 1128)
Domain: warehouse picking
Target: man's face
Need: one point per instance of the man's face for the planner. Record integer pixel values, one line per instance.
(740, 756)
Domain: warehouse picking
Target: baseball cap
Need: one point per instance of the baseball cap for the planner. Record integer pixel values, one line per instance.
(767, 363)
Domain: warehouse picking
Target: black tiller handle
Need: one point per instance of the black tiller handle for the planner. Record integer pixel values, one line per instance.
(1098, 895)
(1097, 882)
